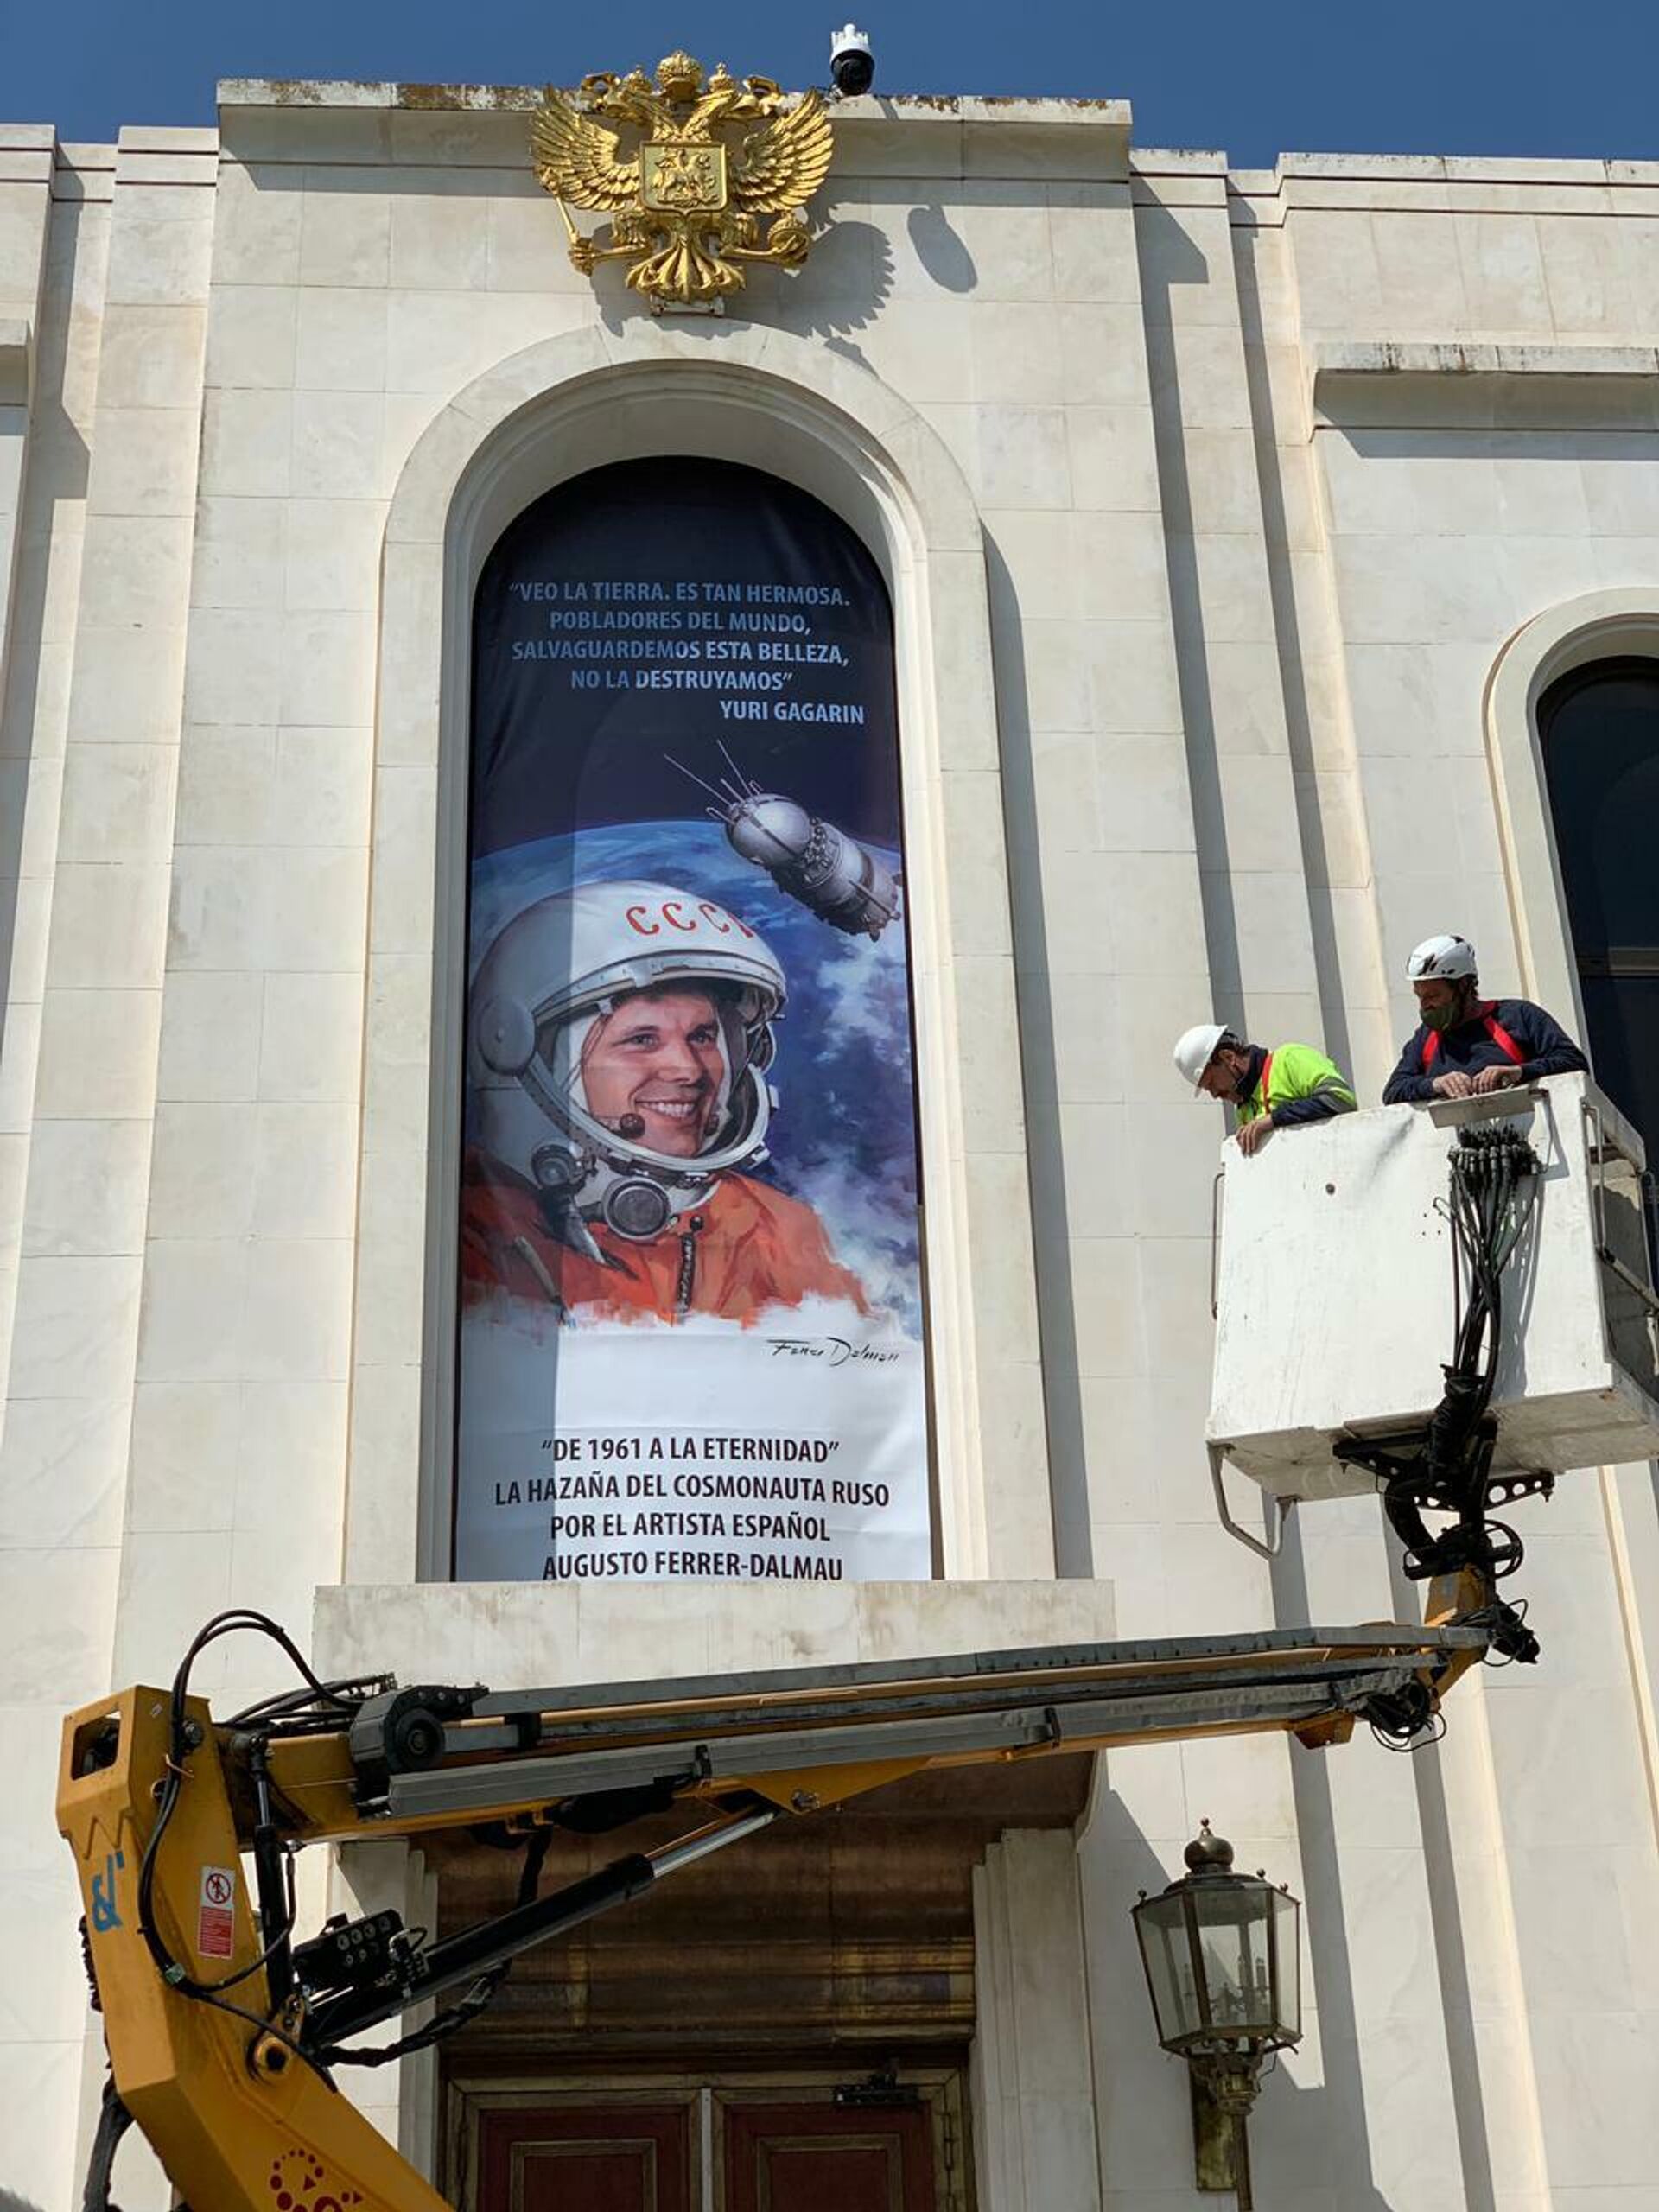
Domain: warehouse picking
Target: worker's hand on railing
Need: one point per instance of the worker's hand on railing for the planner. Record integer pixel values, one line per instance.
(1455, 1085)
(1254, 1134)
(1497, 1078)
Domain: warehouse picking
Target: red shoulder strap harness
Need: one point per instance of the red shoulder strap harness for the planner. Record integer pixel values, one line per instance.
(1495, 1029)
(1262, 1088)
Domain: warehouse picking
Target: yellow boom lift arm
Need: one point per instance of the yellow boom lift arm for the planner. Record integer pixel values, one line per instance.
(225, 2030)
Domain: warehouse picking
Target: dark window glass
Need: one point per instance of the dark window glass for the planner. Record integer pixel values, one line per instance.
(1600, 727)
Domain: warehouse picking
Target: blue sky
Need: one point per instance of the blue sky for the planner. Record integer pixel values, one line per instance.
(1456, 76)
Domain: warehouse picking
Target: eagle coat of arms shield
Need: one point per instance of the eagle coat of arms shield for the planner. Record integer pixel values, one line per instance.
(688, 169)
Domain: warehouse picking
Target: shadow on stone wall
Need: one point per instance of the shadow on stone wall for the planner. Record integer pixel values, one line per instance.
(1169, 258)
(939, 249)
(58, 465)
(1326, 1923)
(1035, 984)
(846, 283)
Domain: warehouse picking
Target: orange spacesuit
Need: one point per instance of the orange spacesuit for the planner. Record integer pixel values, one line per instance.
(748, 1247)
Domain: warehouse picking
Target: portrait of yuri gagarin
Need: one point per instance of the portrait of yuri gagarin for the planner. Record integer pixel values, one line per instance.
(618, 1105)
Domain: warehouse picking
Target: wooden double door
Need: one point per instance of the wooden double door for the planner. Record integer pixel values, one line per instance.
(715, 2149)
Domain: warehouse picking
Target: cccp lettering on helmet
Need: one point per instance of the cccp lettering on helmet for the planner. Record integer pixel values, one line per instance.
(672, 913)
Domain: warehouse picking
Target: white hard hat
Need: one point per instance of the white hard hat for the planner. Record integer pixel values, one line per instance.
(556, 967)
(1196, 1048)
(1441, 959)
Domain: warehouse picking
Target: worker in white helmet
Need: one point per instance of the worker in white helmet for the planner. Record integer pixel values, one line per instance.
(1465, 1045)
(1283, 1089)
(617, 1039)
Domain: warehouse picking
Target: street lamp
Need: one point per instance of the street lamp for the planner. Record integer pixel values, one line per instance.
(1223, 1957)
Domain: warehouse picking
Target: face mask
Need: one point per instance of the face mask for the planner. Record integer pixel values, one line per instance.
(1439, 1017)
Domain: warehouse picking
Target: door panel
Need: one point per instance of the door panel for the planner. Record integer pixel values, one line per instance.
(625, 2158)
(822, 2159)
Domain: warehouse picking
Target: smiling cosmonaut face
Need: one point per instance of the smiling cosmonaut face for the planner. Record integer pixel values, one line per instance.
(654, 1068)
(620, 1033)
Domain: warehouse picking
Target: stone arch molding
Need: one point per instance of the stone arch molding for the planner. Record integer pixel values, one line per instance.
(775, 402)
(1597, 625)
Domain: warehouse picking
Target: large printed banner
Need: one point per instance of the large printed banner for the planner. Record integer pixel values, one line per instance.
(690, 1332)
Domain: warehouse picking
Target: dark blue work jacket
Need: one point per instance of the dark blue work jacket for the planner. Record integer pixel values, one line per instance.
(1545, 1047)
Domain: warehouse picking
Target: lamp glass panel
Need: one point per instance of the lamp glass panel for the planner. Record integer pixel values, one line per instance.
(1288, 1964)
(1234, 1919)
(1160, 1925)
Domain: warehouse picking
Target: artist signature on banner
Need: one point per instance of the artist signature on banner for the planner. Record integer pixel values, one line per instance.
(834, 1352)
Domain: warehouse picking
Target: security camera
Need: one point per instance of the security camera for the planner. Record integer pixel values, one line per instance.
(851, 63)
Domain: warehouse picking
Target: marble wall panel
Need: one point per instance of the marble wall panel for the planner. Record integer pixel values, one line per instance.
(92, 706)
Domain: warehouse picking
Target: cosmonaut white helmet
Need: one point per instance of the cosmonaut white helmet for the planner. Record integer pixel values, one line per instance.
(1440, 959)
(555, 969)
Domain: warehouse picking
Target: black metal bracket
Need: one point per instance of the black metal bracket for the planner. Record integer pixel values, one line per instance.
(350, 1953)
(1415, 1480)
(402, 1732)
(881, 2091)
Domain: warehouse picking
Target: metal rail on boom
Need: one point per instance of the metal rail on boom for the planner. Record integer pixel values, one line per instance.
(225, 2030)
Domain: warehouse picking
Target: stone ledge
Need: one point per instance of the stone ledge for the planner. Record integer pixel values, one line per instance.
(16, 360)
(905, 107)
(1466, 168)
(142, 166)
(1458, 357)
(1448, 183)
(1177, 160)
(1371, 383)
(966, 136)
(521, 1635)
(170, 138)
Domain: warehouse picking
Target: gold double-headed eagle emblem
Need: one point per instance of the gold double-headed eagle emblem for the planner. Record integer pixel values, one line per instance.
(709, 159)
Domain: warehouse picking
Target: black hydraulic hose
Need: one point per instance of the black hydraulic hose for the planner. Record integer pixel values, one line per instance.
(1486, 1228)
(179, 1745)
(113, 2121)
(1493, 1194)
(274, 1883)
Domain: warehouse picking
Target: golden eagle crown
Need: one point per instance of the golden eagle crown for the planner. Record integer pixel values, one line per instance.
(680, 78)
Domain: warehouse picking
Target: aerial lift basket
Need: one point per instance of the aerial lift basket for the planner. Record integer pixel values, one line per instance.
(1339, 1292)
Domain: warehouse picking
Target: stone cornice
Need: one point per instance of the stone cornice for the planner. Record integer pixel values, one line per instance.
(907, 135)
(1368, 381)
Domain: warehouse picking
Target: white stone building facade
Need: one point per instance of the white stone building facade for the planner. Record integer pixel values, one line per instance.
(1235, 523)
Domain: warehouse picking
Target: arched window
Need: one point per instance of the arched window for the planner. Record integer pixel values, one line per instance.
(1598, 725)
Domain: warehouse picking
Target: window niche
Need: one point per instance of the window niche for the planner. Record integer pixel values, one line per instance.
(1598, 733)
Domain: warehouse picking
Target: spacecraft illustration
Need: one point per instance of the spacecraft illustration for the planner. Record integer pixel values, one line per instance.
(826, 870)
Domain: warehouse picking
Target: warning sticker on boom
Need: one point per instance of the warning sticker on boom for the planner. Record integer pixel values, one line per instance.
(216, 1916)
